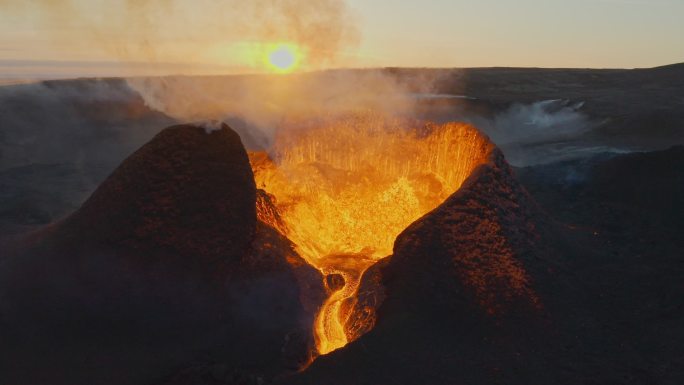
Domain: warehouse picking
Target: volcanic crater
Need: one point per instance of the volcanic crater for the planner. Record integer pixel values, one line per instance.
(342, 189)
(297, 244)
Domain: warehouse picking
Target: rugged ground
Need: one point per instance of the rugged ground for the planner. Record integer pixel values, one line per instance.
(163, 268)
(564, 272)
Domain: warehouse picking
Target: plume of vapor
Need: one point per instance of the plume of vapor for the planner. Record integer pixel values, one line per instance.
(540, 132)
(180, 30)
(257, 105)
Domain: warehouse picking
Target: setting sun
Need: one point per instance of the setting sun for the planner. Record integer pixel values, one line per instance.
(283, 58)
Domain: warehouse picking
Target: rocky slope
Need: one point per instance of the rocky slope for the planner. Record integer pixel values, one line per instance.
(165, 268)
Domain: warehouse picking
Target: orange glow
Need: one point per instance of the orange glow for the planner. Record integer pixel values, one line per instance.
(344, 189)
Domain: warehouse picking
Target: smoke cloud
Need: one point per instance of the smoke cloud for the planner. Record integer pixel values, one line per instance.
(234, 31)
(539, 122)
(195, 31)
(257, 105)
(540, 132)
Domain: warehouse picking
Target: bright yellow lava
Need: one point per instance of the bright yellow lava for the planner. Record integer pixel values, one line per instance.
(344, 188)
(283, 58)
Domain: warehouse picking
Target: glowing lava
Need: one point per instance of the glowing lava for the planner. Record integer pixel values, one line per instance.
(344, 188)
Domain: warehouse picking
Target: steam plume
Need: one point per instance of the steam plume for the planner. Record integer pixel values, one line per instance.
(194, 31)
(257, 105)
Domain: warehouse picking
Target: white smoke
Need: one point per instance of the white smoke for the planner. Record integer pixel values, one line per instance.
(538, 122)
(210, 126)
(540, 132)
(256, 105)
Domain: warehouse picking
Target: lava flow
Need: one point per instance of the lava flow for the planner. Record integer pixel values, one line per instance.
(344, 188)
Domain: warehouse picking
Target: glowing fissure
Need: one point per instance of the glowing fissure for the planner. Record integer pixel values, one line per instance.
(330, 322)
(345, 187)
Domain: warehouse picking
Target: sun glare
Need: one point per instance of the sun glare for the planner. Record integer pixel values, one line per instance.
(283, 58)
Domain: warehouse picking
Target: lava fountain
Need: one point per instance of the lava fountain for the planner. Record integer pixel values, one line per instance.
(343, 188)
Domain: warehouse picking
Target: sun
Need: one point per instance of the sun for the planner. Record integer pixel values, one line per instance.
(283, 58)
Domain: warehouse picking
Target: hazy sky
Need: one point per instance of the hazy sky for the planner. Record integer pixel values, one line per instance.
(544, 33)
(201, 36)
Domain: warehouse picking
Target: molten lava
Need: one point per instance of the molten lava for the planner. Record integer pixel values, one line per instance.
(344, 188)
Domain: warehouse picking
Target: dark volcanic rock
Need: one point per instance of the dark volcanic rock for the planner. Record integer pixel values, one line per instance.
(369, 297)
(187, 192)
(625, 216)
(646, 181)
(472, 244)
(334, 282)
(163, 270)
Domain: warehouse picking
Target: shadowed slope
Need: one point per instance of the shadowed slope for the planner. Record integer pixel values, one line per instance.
(187, 192)
(164, 266)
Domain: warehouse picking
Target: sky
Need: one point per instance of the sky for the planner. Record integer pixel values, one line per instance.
(56, 38)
